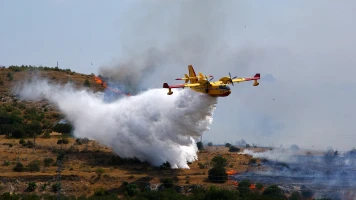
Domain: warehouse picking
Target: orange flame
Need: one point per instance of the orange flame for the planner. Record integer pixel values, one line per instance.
(231, 172)
(101, 82)
(253, 186)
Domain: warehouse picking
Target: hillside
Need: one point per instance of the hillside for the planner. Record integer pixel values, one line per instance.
(86, 165)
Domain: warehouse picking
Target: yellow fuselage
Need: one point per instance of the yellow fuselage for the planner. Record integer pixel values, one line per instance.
(213, 89)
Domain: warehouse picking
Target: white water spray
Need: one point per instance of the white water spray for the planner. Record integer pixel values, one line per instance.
(151, 126)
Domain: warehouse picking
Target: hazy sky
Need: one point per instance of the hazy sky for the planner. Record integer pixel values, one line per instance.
(304, 50)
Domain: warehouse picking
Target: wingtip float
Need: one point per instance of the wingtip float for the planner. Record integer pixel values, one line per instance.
(202, 84)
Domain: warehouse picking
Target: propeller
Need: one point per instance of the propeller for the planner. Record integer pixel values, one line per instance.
(231, 79)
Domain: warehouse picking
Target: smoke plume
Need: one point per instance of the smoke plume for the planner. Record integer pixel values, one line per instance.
(151, 126)
(329, 174)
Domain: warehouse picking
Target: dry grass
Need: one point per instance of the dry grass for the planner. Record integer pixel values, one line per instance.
(79, 171)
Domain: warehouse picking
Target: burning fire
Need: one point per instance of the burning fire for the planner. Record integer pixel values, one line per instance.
(101, 82)
(231, 172)
(253, 186)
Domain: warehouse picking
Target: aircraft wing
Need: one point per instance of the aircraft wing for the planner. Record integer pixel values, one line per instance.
(165, 85)
(256, 77)
(227, 80)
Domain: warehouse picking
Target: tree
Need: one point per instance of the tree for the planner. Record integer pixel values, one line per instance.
(244, 188)
(86, 83)
(227, 145)
(34, 129)
(217, 174)
(210, 144)
(274, 192)
(219, 161)
(234, 149)
(200, 146)
(63, 128)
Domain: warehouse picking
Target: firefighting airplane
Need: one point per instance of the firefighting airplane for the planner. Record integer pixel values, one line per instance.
(202, 84)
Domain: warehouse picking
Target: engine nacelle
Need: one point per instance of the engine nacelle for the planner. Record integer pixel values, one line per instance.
(256, 83)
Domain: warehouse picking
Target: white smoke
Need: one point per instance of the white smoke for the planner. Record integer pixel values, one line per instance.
(280, 155)
(151, 126)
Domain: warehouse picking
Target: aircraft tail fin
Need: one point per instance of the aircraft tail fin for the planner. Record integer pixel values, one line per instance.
(256, 77)
(165, 85)
(192, 73)
(201, 76)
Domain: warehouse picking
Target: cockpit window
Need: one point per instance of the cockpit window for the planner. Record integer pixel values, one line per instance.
(224, 87)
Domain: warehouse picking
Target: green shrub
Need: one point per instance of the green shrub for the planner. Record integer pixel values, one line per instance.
(44, 186)
(34, 166)
(259, 186)
(244, 188)
(31, 186)
(86, 83)
(101, 192)
(29, 144)
(8, 196)
(61, 157)
(167, 182)
(6, 163)
(56, 187)
(165, 165)
(131, 189)
(234, 149)
(219, 161)
(63, 141)
(63, 128)
(19, 167)
(274, 192)
(47, 162)
(99, 171)
(217, 174)
(216, 193)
